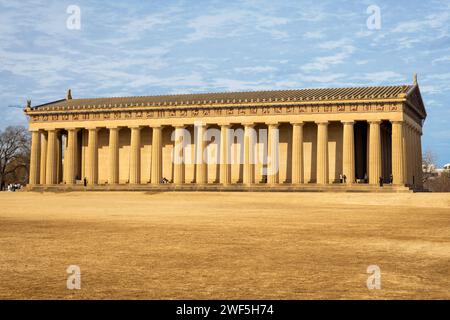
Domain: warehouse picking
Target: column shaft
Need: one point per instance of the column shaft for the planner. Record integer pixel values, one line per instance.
(92, 157)
(156, 173)
(51, 158)
(322, 153)
(59, 167)
(178, 156)
(135, 156)
(249, 146)
(297, 153)
(414, 156)
(348, 156)
(225, 176)
(407, 154)
(201, 176)
(419, 155)
(70, 158)
(35, 157)
(397, 153)
(375, 153)
(43, 164)
(113, 156)
(272, 153)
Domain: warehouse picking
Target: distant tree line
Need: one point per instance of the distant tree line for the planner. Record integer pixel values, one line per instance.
(432, 181)
(15, 145)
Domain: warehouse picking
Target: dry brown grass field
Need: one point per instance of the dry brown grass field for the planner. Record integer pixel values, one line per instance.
(224, 245)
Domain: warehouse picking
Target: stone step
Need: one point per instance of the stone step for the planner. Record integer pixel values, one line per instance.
(221, 188)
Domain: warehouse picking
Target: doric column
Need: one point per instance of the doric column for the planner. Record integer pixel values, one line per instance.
(225, 176)
(414, 155)
(200, 154)
(397, 153)
(375, 152)
(178, 155)
(419, 155)
(272, 153)
(35, 157)
(51, 158)
(43, 164)
(92, 157)
(405, 153)
(407, 145)
(156, 173)
(297, 153)
(249, 146)
(59, 167)
(113, 156)
(348, 156)
(322, 152)
(70, 158)
(135, 155)
(411, 153)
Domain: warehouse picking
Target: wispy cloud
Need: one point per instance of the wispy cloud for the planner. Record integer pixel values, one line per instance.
(343, 50)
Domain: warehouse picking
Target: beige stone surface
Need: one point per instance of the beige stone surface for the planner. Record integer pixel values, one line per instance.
(224, 245)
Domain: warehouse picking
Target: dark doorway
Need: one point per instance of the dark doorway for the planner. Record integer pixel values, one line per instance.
(360, 132)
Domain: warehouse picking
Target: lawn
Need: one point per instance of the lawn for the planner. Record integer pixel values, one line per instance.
(193, 245)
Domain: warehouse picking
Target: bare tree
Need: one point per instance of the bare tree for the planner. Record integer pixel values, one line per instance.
(440, 183)
(429, 159)
(14, 155)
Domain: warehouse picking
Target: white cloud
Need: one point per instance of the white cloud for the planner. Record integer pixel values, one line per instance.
(432, 21)
(443, 59)
(323, 63)
(380, 77)
(256, 69)
(233, 23)
(314, 35)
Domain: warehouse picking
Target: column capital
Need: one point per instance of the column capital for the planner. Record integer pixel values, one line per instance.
(248, 124)
(200, 124)
(179, 126)
(72, 129)
(374, 121)
(92, 128)
(348, 121)
(135, 127)
(224, 124)
(397, 121)
(112, 127)
(273, 124)
(322, 122)
(297, 123)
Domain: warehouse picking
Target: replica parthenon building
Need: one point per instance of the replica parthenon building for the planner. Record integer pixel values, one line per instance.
(291, 139)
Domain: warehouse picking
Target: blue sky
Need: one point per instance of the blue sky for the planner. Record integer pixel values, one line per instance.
(159, 47)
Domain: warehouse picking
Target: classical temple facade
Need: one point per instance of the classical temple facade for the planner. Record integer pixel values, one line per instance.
(341, 137)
